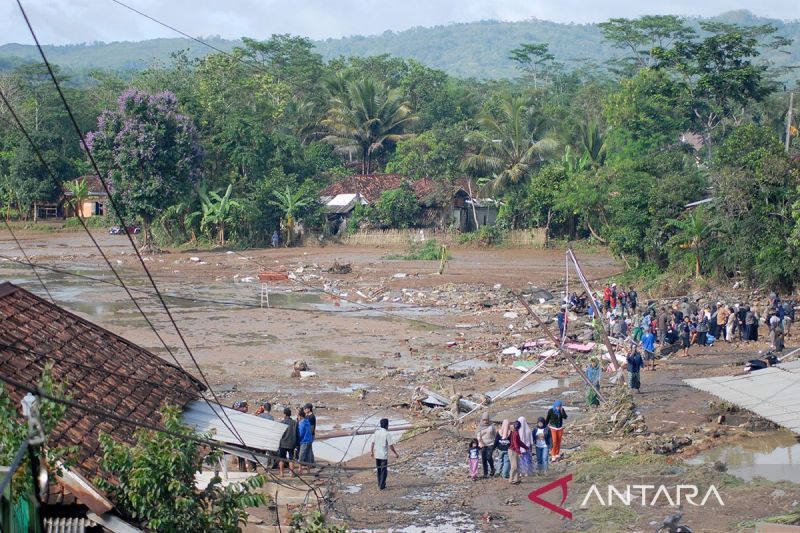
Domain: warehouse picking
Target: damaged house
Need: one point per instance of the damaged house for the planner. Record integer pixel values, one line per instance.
(443, 205)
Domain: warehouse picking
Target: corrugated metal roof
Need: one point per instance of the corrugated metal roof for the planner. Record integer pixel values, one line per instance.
(67, 525)
(771, 393)
(258, 433)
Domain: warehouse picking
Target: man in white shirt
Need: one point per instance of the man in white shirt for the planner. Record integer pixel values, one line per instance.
(381, 444)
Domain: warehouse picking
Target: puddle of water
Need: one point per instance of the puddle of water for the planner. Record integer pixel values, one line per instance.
(332, 357)
(774, 456)
(474, 364)
(543, 385)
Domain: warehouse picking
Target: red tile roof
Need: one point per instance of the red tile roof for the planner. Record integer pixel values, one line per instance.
(94, 185)
(107, 372)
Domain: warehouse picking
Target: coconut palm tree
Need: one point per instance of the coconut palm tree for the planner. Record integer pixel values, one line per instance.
(692, 232)
(508, 150)
(365, 118)
(289, 203)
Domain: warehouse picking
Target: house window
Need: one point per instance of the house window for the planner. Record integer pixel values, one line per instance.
(98, 209)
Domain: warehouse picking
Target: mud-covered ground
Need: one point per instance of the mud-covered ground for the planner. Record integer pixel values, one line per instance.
(376, 333)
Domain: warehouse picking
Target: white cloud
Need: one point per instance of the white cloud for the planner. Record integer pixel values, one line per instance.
(74, 21)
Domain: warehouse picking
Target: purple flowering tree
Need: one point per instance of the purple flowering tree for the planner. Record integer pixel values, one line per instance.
(150, 154)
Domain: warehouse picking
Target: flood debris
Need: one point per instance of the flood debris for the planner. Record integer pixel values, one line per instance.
(340, 268)
(618, 414)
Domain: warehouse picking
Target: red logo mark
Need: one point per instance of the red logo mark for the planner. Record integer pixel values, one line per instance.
(562, 482)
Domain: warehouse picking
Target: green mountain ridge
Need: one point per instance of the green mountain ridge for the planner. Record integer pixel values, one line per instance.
(475, 49)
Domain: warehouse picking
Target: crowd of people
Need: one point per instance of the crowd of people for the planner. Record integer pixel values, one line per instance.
(296, 448)
(675, 327)
(520, 450)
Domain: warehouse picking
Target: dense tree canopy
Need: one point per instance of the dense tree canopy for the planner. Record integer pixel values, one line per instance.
(687, 111)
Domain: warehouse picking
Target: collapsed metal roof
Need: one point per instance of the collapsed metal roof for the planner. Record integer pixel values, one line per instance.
(771, 393)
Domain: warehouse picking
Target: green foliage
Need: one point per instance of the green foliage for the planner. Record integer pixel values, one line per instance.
(216, 212)
(429, 250)
(14, 430)
(367, 118)
(290, 203)
(315, 524)
(149, 152)
(155, 482)
(431, 154)
(485, 236)
(507, 151)
(398, 208)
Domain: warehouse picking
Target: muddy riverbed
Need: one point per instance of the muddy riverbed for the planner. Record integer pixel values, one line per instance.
(371, 337)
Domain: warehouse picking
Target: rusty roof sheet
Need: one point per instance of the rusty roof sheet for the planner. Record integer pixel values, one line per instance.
(99, 368)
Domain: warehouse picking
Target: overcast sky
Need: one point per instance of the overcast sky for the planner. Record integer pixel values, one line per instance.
(78, 21)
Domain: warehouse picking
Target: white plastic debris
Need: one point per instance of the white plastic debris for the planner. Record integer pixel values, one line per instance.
(400, 275)
(194, 259)
(510, 314)
(512, 350)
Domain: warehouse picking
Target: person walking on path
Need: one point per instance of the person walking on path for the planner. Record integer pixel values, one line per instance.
(542, 438)
(555, 421)
(525, 458)
(515, 451)
(501, 444)
(381, 444)
(288, 441)
(486, 437)
(635, 364)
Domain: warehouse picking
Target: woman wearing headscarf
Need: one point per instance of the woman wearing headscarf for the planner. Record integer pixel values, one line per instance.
(486, 437)
(525, 458)
(555, 421)
(501, 444)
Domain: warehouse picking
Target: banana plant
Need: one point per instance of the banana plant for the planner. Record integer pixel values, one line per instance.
(216, 211)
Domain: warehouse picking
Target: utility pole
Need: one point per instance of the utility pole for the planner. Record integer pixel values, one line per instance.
(789, 122)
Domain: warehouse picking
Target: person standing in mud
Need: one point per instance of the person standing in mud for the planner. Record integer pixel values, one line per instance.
(593, 375)
(526, 457)
(542, 438)
(312, 421)
(486, 438)
(381, 444)
(501, 444)
(555, 422)
(515, 451)
(635, 364)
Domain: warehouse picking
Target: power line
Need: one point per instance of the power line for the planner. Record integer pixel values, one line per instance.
(117, 211)
(195, 39)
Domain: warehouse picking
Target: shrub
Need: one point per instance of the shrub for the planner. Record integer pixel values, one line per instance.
(486, 236)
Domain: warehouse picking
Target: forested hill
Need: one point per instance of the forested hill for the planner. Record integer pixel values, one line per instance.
(478, 49)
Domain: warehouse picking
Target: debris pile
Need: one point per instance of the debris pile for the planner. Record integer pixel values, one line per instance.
(618, 414)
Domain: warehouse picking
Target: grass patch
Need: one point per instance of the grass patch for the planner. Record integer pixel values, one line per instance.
(595, 466)
(612, 518)
(430, 250)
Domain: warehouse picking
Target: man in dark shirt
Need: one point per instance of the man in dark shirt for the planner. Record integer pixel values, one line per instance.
(288, 440)
(309, 411)
(635, 364)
